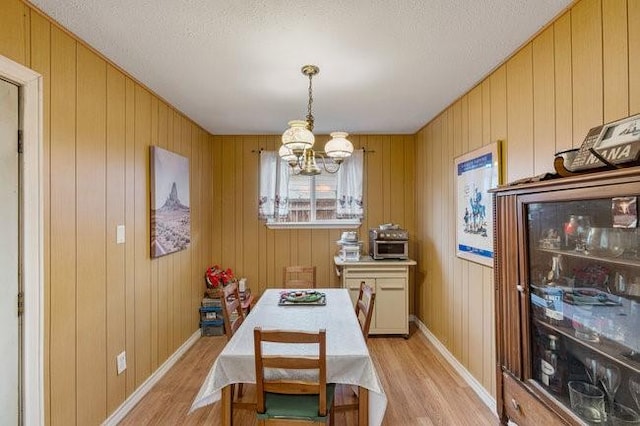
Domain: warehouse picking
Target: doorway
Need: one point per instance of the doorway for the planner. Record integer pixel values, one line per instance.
(31, 238)
(10, 332)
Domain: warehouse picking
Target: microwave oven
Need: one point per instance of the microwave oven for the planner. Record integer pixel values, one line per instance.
(386, 249)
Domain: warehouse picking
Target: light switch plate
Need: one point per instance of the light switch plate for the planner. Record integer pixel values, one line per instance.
(120, 234)
(121, 361)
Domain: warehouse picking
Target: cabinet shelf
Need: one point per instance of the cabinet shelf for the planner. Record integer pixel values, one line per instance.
(604, 347)
(620, 260)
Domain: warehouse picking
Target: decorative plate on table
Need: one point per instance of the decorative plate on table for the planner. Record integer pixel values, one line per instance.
(302, 297)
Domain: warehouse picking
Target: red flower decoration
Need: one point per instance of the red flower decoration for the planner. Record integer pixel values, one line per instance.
(216, 276)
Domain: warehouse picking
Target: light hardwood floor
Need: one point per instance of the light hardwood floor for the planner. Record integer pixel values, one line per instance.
(421, 388)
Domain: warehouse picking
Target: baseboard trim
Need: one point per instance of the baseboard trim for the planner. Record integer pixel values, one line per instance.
(475, 385)
(146, 386)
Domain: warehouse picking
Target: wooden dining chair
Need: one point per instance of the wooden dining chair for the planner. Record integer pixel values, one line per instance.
(300, 400)
(233, 316)
(364, 307)
(299, 277)
(364, 313)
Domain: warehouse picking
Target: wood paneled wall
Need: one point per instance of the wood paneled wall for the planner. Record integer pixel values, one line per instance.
(244, 244)
(575, 74)
(102, 298)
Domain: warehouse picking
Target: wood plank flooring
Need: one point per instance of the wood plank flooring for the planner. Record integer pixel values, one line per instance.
(421, 388)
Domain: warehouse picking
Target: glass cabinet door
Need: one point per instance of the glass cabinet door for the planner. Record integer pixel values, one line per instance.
(584, 305)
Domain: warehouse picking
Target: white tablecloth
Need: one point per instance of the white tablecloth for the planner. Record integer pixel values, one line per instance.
(348, 359)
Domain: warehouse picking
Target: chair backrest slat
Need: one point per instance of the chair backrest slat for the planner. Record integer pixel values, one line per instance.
(299, 277)
(307, 362)
(231, 303)
(364, 307)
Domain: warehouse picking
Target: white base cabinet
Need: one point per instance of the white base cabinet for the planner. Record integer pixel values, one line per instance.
(390, 279)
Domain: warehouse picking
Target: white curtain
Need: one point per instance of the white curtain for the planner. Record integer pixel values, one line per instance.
(273, 200)
(349, 191)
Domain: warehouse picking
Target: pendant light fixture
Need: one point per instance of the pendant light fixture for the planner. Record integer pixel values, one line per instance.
(298, 140)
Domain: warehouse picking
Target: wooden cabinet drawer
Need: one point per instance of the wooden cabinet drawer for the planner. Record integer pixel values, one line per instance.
(523, 408)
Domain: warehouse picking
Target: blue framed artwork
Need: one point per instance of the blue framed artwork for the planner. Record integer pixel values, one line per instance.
(476, 173)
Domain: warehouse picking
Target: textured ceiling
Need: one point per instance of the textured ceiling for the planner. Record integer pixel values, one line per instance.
(233, 66)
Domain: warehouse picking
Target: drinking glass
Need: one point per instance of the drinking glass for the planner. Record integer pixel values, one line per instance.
(597, 241)
(584, 327)
(587, 401)
(621, 415)
(610, 379)
(634, 389)
(583, 224)
(592, 366)
(617, 242)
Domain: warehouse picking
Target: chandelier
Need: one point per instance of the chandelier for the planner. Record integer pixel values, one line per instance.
(298, 139)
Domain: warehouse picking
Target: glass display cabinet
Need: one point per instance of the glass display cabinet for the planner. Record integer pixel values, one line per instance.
(567, 272)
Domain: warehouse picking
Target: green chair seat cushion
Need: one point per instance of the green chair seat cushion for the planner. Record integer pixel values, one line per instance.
(301, 407)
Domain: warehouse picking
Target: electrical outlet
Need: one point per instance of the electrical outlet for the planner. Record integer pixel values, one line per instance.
(121, 361)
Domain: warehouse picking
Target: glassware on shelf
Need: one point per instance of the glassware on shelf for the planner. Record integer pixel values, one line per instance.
(634, 389)
(584, 224)
(584, 326)
(623, 415)
(587, 401)
(610, 379)
(616, 244)
(608, 242)
(591, 366)
(597, 241)
(576, 231)
(620, 283)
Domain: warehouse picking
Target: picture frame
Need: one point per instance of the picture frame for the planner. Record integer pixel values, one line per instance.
(476, 173)
(170, 207)
(612, 144)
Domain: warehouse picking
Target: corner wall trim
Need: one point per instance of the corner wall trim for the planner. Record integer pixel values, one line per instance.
(145, 387)
(476, 386)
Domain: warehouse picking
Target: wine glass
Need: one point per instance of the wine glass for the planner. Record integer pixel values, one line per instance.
(592, 366)
(583, 224)
(634, 388)
(610, 379)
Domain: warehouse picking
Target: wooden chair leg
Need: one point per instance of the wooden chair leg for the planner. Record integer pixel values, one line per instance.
(240, 390)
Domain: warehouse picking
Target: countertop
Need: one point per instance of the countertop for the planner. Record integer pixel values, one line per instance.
(368, 261)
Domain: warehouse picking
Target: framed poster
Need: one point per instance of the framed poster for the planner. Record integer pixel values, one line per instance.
(170, 212)
(476, 173)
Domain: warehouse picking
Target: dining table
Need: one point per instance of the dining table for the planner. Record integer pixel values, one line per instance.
(348, 358)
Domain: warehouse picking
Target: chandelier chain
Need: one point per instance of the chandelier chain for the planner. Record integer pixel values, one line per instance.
(309, 113)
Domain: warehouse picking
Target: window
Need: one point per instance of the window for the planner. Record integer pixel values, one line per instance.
(312, 198)
(327, 200)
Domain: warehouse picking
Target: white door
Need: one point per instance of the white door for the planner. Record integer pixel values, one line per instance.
(9, 249)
